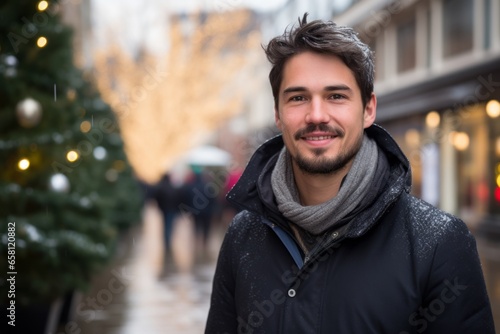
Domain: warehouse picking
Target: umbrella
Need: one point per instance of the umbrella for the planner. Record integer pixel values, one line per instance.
(208, 155)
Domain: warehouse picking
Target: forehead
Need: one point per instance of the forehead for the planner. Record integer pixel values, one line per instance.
(313, 70)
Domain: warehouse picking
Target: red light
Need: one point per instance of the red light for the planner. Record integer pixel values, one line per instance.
(497, 194)
(482, 191)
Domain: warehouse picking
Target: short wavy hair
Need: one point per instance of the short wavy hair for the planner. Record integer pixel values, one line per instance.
(324, 37)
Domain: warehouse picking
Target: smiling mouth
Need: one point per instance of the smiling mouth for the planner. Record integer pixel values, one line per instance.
(319, 132)
(317, 138)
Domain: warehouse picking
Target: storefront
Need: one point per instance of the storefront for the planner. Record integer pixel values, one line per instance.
(450, 130)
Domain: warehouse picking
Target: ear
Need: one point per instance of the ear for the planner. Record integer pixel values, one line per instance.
(277, 118)
(370, 111)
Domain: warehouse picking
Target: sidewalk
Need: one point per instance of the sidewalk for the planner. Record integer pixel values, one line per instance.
(148, 292)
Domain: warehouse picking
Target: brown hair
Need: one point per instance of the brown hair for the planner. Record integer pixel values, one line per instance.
(323, 37)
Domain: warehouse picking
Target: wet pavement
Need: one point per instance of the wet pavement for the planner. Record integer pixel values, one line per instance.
(148, 291)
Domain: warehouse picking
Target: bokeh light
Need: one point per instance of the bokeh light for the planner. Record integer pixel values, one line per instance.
(72, 156)
(23, 164)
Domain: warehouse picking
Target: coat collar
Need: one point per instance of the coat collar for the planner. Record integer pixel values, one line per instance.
(253, 190)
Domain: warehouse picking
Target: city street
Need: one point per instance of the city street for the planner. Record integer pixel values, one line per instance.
(114, 115)
(489, 251)
(162, 294)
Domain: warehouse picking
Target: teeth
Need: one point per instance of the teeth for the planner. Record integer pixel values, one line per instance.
(319, 138)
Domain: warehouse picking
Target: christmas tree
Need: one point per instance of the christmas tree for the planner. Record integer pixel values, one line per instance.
(66, 188)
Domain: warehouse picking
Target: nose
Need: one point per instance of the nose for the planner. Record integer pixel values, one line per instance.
(317, 112)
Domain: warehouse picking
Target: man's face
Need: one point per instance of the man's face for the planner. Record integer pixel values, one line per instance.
(320, 113)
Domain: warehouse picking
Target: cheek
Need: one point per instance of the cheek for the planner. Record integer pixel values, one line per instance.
(283, 124)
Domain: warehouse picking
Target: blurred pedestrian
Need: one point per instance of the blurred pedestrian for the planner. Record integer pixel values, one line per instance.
(167, 196)
(329, 239)
(148, 191)
(228, 209)
(202, 194)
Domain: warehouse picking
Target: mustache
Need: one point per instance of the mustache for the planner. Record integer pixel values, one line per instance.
(319, 127)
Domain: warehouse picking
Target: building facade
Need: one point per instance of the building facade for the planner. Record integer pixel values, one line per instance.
(438, 87)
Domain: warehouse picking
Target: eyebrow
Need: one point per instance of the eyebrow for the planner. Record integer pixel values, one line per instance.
(295, 89)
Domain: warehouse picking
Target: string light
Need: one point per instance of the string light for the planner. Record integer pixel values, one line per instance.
(71, 94)
(85, 126)
(41, 42)
(23, 164)
(72, 156)
(42, 5)
(460, 140)
(432, 119)
(493, 108)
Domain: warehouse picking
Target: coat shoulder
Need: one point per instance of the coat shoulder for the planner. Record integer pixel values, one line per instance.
(429, 220)
(246, 224)
(244, 220)
(432, 229)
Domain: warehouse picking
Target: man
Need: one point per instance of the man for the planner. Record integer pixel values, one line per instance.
(329, 240)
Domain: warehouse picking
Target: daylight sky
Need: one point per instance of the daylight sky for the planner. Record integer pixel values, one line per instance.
(132, 22)
(262, 5)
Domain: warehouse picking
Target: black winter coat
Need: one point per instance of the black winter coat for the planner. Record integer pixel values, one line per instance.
(398, 266)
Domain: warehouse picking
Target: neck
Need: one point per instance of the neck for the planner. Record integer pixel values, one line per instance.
(315, 189)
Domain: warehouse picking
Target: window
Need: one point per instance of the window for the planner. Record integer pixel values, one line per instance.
(475, 181)
(406, 39)
(458, 19)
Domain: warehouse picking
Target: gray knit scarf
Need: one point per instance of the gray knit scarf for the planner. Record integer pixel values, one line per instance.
(318, 218)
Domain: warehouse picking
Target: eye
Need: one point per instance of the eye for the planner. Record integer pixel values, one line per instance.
(337, 97)
(297, 98)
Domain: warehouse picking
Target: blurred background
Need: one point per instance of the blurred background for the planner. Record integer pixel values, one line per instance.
(124, 123)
